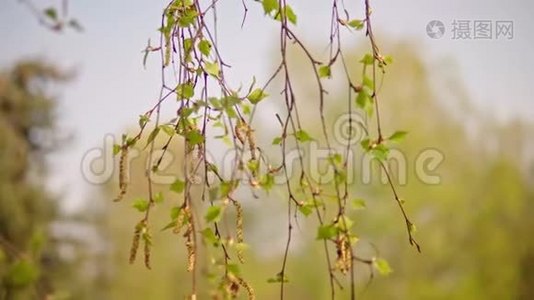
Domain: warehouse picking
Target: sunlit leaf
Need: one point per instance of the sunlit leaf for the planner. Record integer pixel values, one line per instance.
(143, 119)
(210, 237)
(177, 186)
(168, 129)
(51, 13)
(356, 24)
(158, 197)
(269, 6)
(368, 82)
(363, 100)
(358, 204)
(212, 68)
(335, 159)
(140, 204)
(205, 47)
(213, 214)
(291, 17)
(227, 187)
(116, 149)
(152, 136)
(344, 223)
(324, 71)
(397, 136)
(327, 232)
(306, 209)
(382, 266)
(187, 18)
(267, 182)
(366, 144)
(194, 137)
(185, 91)
(256, 96)
(234, 269)
(380, 152)
(303, 136)
(367, 59)
(277, 140)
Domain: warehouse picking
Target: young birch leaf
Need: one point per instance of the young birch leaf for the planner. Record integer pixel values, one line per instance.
(267, 182)
(177, 186)
(358, 204)
(397, 136)
(256, 96)
(367, 59)
(169, 225)
(152, 136)
(140, 204)
(324, 71)
(344, 223)
(356, 24)
(291, 17)
(269, 6)
(382, 266)
(234, 269)
(213, 214)
(205, 47)
(325, 232)
(380, 152)
(368, 82)
(168, 129)
(277, 140)
(366, 144)
(210, 237)
(306, 209)
(175, 212)
(303, 136)
(194, 137)
(143, 119)
(158, 197)
(246, 109)
(185, 91)
(116, 149)
(51, 13)
(212, 68)
(188, 45)
(363, 99)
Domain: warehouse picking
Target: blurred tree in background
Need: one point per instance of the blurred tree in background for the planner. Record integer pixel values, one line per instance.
(30, 264)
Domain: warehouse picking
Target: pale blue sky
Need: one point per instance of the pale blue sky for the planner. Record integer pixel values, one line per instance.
(112, 87)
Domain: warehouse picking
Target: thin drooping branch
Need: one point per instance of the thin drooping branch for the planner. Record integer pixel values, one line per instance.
(189, 50)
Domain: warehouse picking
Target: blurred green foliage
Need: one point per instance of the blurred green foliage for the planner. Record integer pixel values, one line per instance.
(25, 208)
(30, 264)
